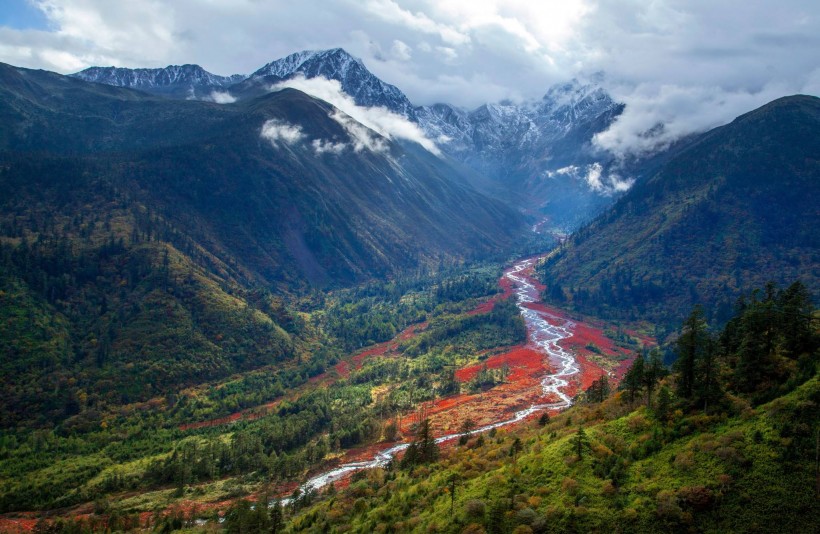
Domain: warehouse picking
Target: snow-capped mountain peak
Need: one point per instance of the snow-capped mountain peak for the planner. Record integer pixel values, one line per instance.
(336, 64)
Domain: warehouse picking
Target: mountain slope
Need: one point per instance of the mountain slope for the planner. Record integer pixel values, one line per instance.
(537, 155)
(385, 205)
(141, 237)
(730, 212)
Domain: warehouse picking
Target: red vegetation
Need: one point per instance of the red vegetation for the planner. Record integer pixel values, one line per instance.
(521, 361)
(13, 525)
(522, 387)
(484, 307)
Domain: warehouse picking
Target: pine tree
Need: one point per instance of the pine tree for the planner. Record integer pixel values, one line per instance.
(277, 518)
(707, 387)
(663, 405)
(633, 380)
(580, 442)
(423, 449)
(654, 370)
(691, 346)
(516, 448)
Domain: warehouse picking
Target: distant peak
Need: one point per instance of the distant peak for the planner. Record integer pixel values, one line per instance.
(292, 63)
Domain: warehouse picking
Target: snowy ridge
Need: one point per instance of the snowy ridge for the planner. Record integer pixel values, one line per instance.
(539, 151)
(179, 79)
(503, 135)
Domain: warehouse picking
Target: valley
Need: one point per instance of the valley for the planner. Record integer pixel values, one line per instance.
(295, 301)
(519, 382)
(545, 333)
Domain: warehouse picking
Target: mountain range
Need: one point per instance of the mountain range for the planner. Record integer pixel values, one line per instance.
(137, 232)
(537, 156)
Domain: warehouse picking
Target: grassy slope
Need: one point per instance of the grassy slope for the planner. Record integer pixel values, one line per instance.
(750, 472)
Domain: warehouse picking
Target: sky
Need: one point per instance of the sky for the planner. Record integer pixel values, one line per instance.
(687, 65)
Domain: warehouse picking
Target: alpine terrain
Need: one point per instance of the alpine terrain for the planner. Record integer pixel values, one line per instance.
(296, 301)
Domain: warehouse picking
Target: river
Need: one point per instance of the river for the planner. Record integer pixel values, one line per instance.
(542, 333)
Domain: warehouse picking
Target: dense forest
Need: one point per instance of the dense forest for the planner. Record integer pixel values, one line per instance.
(723, 440)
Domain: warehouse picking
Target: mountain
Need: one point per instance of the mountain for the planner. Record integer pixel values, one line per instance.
(536, 155)
(336, 64)
(733, 210)
(178, 81)
(146, 243)
(387, 203)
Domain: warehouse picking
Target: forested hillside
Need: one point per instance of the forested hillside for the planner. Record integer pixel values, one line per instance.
(733, 211)
(226, 438)
(148, 245)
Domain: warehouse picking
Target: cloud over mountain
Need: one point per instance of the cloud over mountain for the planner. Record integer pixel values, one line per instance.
(686, 65)
(378, 119)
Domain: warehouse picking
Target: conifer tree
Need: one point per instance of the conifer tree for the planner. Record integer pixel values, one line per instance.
(277, 517)
(580, 442)
(691, 346)
(633, 380)
(654, 370)
(663, 405)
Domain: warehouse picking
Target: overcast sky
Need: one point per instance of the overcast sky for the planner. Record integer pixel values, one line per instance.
(688, 64)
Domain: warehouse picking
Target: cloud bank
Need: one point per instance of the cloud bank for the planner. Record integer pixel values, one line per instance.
(221, 97)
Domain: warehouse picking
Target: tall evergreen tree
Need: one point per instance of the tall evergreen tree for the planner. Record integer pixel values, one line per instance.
(707, 387)
(633, 380)
(654, 370)
(277, 517)
(580, 442)
(423, 449)
(691, 346)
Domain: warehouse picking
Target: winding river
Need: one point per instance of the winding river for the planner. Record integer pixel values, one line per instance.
(543, 334)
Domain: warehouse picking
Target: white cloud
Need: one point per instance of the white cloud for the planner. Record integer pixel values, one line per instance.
(323, 146)
(571, 170)
(277, 131)
(401, 51)
(222, 97)
(378, 119)
(392, 12)
(657, 115)
(362, 136)
(595, 178)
